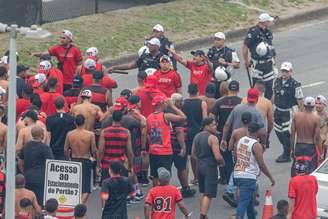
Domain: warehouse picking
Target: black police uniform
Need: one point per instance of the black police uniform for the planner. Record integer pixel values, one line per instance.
(286, 95)
(147, 60)
(262, 66)
(214, 54)
(165, 43)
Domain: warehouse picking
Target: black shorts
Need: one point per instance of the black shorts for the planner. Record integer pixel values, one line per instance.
(207, 180)
(87, 166)
(157, 161)
(180, 162)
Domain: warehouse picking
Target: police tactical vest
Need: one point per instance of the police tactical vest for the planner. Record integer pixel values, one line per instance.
(259, 35)
(146, 60)
(285, 93)
(214, 54)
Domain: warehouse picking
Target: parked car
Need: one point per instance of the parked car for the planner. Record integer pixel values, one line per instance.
(21, 12)
(321, 173)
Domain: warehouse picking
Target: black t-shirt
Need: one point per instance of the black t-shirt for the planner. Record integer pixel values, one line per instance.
(222, 109)
(118, 189)
(192, 108)
(35, 154)
(20, 85)
(59, 125)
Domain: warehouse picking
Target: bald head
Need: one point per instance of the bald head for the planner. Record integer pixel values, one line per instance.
(37, 132)
(20, 181)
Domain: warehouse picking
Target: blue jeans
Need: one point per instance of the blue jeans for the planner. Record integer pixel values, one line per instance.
(247, 188)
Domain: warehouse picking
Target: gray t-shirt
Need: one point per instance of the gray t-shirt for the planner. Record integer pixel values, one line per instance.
(235, 116)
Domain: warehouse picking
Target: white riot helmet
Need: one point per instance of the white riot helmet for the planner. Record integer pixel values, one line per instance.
(143, 50)
(92, 51)
(221, 74)
(150, 71)
(262, 49)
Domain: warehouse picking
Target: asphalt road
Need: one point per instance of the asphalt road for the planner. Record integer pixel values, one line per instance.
(306, 47)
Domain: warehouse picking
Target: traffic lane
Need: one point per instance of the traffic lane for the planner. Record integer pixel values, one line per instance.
(305, 47)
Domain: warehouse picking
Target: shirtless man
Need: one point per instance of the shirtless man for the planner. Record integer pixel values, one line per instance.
(30, 119)
(21, 193)
(3, 132)
(78, 145)
(305, 131)
(91, 112)
(320, 106)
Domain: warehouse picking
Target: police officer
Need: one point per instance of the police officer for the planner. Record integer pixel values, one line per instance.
(287, 94)
(148, 59)
(158, 32)
(259, 42)
(222, 57)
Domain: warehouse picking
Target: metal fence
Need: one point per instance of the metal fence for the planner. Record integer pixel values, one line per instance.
(28, 12)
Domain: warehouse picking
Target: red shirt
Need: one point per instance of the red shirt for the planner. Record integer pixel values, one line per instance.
(21, 106)
(146, 96)
(168, 82)
(48, 102)
(163, 200)
(304, 190)
(56, 73)
(73, 58)
(159, 134)
(200, 75)
(106, 82)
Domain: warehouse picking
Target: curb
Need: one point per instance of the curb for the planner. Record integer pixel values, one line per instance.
(233, 35)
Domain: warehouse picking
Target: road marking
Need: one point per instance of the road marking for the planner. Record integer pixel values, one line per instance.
(314, 84)
(47, 0)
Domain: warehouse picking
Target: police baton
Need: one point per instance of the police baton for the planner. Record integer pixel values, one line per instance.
(119, 72)
(249, 77)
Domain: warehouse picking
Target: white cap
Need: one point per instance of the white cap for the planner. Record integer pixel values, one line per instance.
(68, 34)
(321, 99)
(2, 90)
(309, 101)
(92, 51)
(86, 93)
(265, 17)
(158, 28)
(154, 41)
(220, 35)
(90, 63)
(45, 65)
(40, 78)
(286, 66)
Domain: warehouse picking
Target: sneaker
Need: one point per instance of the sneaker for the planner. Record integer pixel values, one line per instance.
(186, 193)
(144, 182)
(230, 199)
(139, 196)
(130, 201)
(283, 159)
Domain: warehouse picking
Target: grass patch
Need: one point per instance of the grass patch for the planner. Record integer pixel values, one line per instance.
(122, 32)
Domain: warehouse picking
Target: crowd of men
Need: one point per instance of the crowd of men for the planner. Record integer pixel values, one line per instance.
(66, 112)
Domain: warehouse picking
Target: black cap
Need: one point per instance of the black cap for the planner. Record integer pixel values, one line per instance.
(77, 80)
(198, 53)
(98, 75)
(301, 166)
(126, 92)
(45, 57)
(21, 68)
(233, 85)
(246, 117)
(254, 127)
(134, 99)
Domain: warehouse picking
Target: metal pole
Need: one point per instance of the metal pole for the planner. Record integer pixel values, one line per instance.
(96, 6)
(11, 135)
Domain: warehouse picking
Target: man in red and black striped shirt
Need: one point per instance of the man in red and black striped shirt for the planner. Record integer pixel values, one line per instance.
(114, 145)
